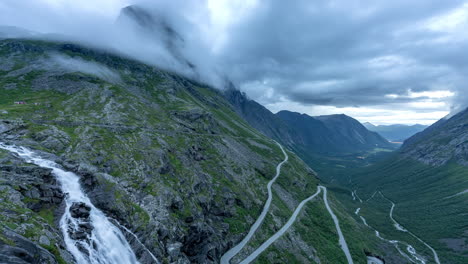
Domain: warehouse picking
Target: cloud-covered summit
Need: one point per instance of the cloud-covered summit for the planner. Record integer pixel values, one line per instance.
(379, 61)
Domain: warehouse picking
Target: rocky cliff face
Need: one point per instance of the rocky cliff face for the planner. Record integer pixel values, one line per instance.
(30, 202)
(444, 141)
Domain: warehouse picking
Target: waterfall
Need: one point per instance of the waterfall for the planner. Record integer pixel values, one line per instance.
(87, 232)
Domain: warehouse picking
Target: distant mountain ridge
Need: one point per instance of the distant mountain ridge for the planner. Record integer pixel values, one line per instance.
(333, 133)
(323, 134)
(396, 132)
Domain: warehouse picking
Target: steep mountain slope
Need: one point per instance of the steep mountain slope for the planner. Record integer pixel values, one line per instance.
(428, 184)
(446, 140)
(166, 157)
(351, 135)
(331, 134)
(395, 133)
(308, 132)
(259, 117)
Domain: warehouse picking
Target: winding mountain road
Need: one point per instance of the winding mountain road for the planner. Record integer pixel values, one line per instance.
(226, 258)
(233, 251)
(278, 234)
(342, 240)
(291, 221)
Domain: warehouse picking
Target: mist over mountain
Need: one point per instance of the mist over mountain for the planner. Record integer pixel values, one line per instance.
(229, 40)
(156, 33)
(155, 27)
(211, 131)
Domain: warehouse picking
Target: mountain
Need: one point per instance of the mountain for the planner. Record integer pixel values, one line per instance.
(329, 144)
(314, 135)
(424, 188)
(332, 134)
(445, 141)
(397, 132)
(168, 161)
(369, 125)
(350, 134)
(154, 27)
(259, 117)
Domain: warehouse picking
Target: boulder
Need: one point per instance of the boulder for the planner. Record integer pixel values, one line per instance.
(80, 210)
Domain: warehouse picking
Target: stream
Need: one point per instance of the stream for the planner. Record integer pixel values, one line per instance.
(88, 234)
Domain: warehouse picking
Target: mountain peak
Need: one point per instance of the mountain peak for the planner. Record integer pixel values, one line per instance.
(331, 133)
(150, 21)
(155, 26)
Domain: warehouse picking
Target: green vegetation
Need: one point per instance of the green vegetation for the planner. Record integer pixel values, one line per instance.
(422, 195)
(55, 252)
(159, 134)
(335, 169)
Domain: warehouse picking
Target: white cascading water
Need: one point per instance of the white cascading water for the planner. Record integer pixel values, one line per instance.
(105, 243)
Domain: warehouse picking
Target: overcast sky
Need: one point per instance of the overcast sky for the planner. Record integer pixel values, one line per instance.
(380, 61)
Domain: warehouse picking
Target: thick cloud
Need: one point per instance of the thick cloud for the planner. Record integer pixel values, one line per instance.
(373, 56)
(99, 24)
(348, 53)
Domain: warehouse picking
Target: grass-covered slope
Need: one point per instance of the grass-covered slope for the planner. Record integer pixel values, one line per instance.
(166, 156)
(428, 182)
(429, 201)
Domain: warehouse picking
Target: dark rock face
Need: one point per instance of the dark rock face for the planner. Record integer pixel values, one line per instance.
(52, 139)
(25, 191)
(197, 244)
(80, 210)
(43, 193)
(196, 153)
(20, 250)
